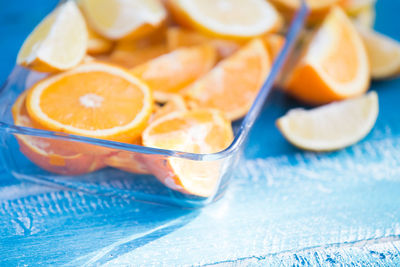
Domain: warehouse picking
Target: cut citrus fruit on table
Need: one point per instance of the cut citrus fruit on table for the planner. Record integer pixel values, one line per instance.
(179, 37)
(94, 100)
(233, 84)
(98, 44)
(175, 103)
(238, 19)
(119, 19)
(331, 127)
(383, 52)
(170, 73)
(198, 131)
(58, 43)
(334, 65)
(50, 154)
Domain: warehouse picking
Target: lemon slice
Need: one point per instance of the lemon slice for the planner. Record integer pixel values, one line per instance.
(227, 18)
(58, 43)
(383, 53)
(117, 19)
(333, 126)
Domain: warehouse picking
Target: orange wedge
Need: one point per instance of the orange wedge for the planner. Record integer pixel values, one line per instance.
(95, 100)
(197, 131)
(169, 73)
(175, 103)
(98, 44)
(237, 19)
(118, 19)
(50, 154)
(234, 83)
(178, 37)
(58, 43)
(383, 53)
(334, 65)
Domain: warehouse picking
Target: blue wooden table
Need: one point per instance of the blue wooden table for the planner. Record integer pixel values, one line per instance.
(284, 206)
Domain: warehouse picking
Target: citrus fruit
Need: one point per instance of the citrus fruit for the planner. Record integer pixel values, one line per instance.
(334, 66)
(198, 131)
(118, 19)
(168, 74)
(333, 126)
(98, 44)
(233, 84)
(58, 43)
(94, 100)
(175, 103)
(238, 19)
(178, 37)
(383, 53)
(51, 154)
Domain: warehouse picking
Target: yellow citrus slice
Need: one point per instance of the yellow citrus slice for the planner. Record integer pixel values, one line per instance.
(197, 131)
(50, 154)
(178, 37)
(95, 100)
(227, 18)
(117, 19)
(383, 53)
(170, 73)
(331, 127)
(334, 65)
(58, 43)
(98, 44)
(234, 83)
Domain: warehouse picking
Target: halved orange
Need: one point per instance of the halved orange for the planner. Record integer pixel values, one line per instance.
(198, 131)
(58, 43)
(52, 155)
(95, 99)
(234, 83)
(334, 66)
(118, 19)
(237, 19)
(170, 73)
(178, 37)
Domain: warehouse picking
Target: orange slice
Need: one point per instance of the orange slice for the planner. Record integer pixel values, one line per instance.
(95, 100)
(175, 103)
(50, 154)
(333, 126)
(117, 19)
(197, 131)
(334, 66)
(169, 73)
(178, 37)
(58, 43)
(238, 19)
(98, 44)
(234, 83)
(383, 53)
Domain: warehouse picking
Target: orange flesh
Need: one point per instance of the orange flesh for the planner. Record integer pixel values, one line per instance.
(89, 101)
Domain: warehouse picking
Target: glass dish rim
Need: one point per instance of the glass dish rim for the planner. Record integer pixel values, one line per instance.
(296, 26)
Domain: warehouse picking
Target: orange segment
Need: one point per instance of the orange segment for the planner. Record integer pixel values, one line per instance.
(237, 19)
(175, 103)
(117, 19)
(58, 43)
(178, 37)
(50, 154)
(334, 65)
(197, 131)
(95, 100)
(169, 73)
(234, 83)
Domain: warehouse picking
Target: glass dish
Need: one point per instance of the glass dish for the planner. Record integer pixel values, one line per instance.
(113, 182)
